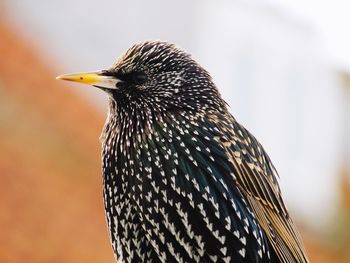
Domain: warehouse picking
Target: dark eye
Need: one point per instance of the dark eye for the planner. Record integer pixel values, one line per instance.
(139, 78)
(128, 78)
(121, 85)
(133, 77)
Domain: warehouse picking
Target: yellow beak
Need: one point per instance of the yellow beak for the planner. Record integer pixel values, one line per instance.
(93, 78)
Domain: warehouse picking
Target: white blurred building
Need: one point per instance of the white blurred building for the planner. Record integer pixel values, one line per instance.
(269, 66)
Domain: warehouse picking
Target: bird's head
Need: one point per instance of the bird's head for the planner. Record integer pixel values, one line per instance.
(157, 76)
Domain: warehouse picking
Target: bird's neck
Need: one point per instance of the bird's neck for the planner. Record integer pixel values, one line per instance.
(130, 122)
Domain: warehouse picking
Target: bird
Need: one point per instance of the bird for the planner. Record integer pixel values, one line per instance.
(183, 180)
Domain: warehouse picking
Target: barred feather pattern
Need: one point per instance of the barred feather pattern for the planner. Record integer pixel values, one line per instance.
(183, 180)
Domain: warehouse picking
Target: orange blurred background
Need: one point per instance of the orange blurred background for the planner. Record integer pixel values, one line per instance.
(51, 198)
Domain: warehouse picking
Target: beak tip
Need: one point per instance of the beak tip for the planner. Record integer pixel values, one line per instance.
(62, 77)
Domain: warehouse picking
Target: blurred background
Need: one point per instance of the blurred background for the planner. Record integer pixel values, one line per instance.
(283, 66)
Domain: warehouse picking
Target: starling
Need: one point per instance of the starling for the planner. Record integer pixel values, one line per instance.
(183, 181)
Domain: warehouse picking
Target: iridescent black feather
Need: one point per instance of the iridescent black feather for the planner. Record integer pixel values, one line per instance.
(183, 181)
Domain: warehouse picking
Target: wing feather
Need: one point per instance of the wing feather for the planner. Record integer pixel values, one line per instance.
(257, 178)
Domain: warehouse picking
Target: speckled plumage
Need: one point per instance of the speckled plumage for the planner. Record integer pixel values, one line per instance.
(183, 180)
